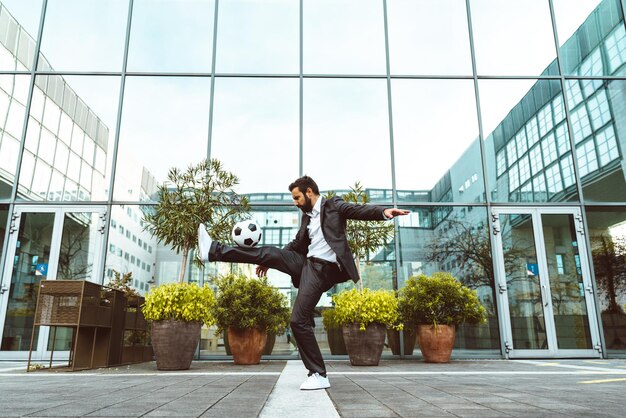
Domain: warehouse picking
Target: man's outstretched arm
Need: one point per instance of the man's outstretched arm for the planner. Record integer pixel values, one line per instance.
(391, 213)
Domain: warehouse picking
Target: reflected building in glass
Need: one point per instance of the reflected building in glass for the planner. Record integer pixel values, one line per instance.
(500, 125)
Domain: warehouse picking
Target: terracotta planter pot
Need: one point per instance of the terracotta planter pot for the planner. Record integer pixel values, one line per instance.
(246, 344)
(335, 341)
(269, 344)
(174, 343)
(364, 347)
(436, 342)
(410, 337)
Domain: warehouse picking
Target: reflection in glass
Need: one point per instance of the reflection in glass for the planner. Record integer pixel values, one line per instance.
(19, 26)
(607, 236)
(599, 129)
(420, 30)
(435, 159)
(344, 37)
(527, 145)
(523, 283)
(70, 135)
(346, 134)
(133, 250)
(261, 117)
(79, 240)
(566, 282)
(456, 240)
(85, 35)
(592, 37)
(30, 266)
(513, 37)
(258, 37)
(159, 112)
(157, 42)
(13, 98)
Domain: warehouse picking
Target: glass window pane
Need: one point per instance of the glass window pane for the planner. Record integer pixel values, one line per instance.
(344, 37)
(599, 124)
(589, 30)
(513, 37)
(456, 240)
(261, 117)
(13, 96)
(122, 247)
(157, 42)
(258, 37)
(165, 124)
(420, 30)
(607, 236)
(510, 107)
(83, 35)
(69, 132)
(346, 134)
(19, 26)
(436, 158)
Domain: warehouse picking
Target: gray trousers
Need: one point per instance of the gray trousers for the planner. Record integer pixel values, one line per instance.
(312, 278)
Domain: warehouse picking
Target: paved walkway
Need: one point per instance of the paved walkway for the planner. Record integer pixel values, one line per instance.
(396, 388)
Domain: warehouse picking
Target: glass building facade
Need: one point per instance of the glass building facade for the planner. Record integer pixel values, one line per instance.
(500, 124)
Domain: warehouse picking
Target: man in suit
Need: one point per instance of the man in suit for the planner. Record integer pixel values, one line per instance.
(317, 259)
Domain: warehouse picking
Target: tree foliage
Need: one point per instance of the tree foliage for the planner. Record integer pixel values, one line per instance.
(204, 193)
(609, 264)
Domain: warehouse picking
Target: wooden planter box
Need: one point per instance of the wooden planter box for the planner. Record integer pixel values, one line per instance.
(93, 312)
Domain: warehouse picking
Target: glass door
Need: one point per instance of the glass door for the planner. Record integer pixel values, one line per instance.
(544, 283)
(45, 244)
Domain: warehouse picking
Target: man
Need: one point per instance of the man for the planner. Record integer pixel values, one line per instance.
(317, 259)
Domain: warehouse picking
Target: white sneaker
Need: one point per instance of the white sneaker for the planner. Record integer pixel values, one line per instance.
(315, 381)
(204, 243)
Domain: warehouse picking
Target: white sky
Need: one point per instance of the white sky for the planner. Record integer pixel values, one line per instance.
(165, 121)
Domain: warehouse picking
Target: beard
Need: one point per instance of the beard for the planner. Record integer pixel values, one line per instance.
(307, 206)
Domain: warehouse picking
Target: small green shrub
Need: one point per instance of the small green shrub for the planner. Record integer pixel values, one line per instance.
(365, 307)
(244, 302)
(439, 299)
(180, 301)
(329, 320)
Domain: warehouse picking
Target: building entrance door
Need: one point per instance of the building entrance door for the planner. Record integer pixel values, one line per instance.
(544, 283)
(45, 244)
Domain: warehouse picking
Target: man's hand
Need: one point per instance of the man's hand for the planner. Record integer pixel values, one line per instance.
(393, 212)
(261, 271)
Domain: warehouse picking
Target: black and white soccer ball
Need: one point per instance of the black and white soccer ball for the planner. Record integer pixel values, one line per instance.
(246, 233)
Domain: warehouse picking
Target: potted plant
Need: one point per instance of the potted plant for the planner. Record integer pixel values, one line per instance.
(247, 309)
(437, 304)
(334, 332)
(409, 330)
(177, 311)
(365, 316)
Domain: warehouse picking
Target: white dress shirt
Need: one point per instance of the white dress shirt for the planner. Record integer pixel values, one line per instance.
(319, 247)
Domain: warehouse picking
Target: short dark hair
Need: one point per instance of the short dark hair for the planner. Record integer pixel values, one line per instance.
(303, 183)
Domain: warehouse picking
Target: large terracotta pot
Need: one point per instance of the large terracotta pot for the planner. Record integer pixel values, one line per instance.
(436, 342)
(174, 343)
(364, 347)
(410, 337)
(246, 344)
(335, 341)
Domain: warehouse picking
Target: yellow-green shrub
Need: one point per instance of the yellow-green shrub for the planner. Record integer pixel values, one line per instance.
(439, 299)
(180, 301)
(366, 307)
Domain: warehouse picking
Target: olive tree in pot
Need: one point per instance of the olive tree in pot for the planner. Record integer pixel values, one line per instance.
(177, 311)
(247, 309)
(204, 193)
(437, 304)
(365, 315)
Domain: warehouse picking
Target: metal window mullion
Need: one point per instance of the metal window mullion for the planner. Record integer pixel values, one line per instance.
(116, 140)
(301, 93)
(212, 91)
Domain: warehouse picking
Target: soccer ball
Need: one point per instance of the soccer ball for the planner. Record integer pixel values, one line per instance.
(246, 233)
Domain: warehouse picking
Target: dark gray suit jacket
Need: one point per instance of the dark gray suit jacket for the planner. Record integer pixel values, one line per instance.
(333, 215)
